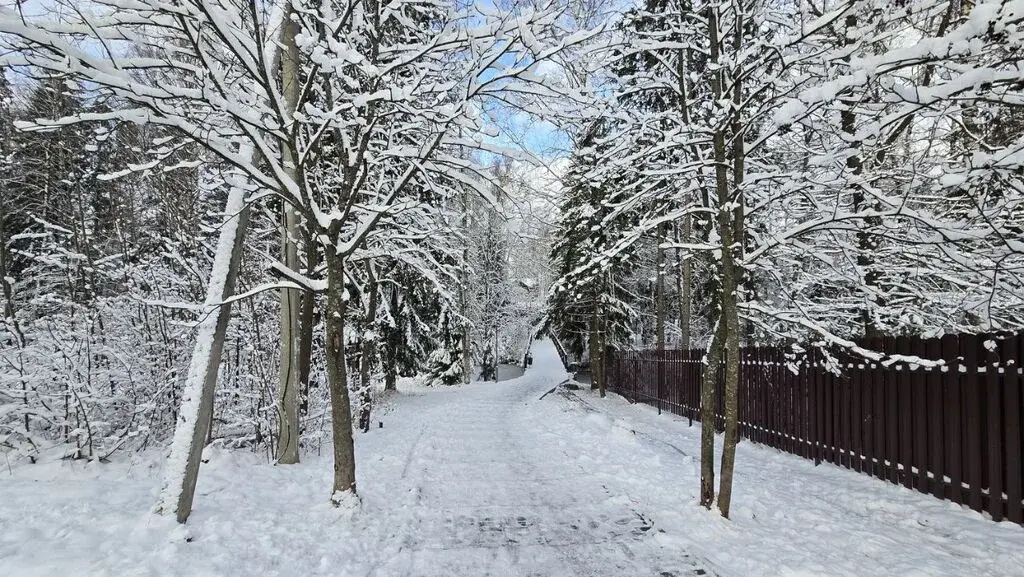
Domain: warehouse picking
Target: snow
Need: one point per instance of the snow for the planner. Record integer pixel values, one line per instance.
(493, 479)
(189, 412)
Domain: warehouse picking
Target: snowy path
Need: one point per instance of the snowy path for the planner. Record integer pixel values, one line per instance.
(491, 480)
(489, 488)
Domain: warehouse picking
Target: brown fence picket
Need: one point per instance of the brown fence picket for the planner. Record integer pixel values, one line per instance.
(768, 385)
(775, 425)
(792, 403)
(765, 410)
(842, 420)
(954, 412)
(843, 396)
(779, 373)
(744, 369)
(905, 412)
(675, 378)
(768, 401)
(756, 380)
(839, 402)
(856, 413)
(773, 375)
(846, 411)
(823, 406)
(812, 409)
(827, 408)
(919, 402)
(696, 369)
(836, 388)
(868, 411)
(972, 424)
(936, 421)
(877, 377)
(799, 385)
(693, 381)
(800, 381)
(748, 381)
(891, 433)
(993, 418)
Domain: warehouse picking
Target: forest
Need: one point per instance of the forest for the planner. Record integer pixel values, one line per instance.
(248, 225)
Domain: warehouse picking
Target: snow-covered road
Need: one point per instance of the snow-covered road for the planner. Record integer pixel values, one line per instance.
(494, 484)
(494, 480)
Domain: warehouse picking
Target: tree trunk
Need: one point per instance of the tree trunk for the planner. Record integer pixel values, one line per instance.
(197, 395)
(660, 309)
(288, 371)
(289, 381)
(467, 357)
(731, 234)
(391, 362)
(602, 347)
(685, 281)
(8, 290)
(307, 320)
(685, 266)
(709, 381)
(730, 400)
(341, 410)
(9, 317)
(866, 241)
(467, 334)
(592, 346)
(368, 353)
(496, 360)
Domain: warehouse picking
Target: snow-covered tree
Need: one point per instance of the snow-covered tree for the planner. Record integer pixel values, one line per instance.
(381, 94)
(816, 156)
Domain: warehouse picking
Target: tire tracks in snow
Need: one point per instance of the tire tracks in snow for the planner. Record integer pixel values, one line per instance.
(494, 487)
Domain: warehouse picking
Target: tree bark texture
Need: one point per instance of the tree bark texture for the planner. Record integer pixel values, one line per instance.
(730, 230)
(288, 381)
(368, 353)
(467, 331)
(341, 408)
(602, 346)
(307, 319)
(593, 343)
(661, 310)
(709, 382)
(390, 363)
(685, 280)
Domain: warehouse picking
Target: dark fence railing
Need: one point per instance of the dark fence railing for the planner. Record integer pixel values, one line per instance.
(953, 430)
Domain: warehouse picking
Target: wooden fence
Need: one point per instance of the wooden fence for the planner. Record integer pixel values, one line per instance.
(953, 430)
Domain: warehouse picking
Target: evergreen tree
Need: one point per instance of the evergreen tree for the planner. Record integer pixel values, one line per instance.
(589, 307)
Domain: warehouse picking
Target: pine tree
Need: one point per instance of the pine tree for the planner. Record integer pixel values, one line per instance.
(589, 307)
